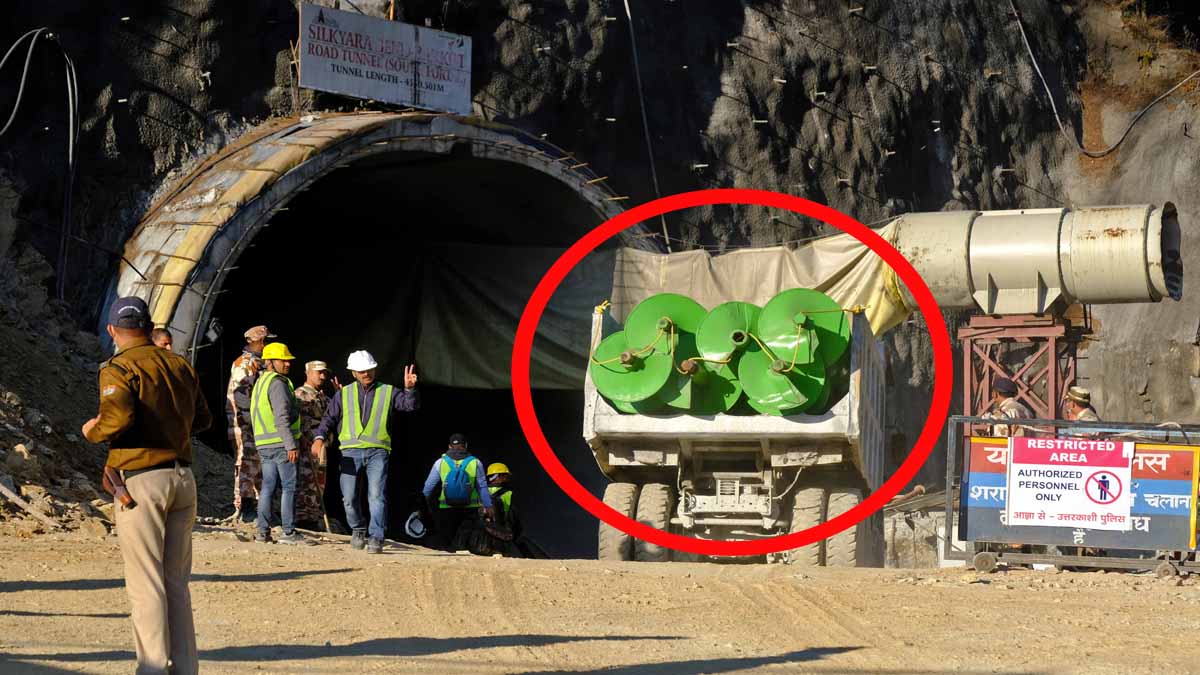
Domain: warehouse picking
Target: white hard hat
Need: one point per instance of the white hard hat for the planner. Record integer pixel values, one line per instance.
(361, 360)
(413, 527)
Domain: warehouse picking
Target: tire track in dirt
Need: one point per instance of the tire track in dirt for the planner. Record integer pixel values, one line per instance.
(801, 621)
(769, 595)
(519, 619)
(754, 597)
(837, 613)
(423, 593)
(801, 615)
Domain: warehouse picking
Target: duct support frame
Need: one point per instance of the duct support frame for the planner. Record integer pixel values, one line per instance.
(1054, 361)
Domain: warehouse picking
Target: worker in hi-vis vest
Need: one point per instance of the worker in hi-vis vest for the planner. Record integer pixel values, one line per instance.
(360, 415)
(275, 420)
(464, 491)
(498, 477)
(507, 535)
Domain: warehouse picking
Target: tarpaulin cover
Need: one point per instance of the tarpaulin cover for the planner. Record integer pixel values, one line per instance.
(472, 298)
(839, 266)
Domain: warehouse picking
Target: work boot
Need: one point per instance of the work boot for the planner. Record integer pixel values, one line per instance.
(295, 538)
(358, 539)
(263, 537)
(249, 512)
(374, 545)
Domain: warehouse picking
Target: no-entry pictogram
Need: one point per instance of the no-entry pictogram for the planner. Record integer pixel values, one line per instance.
(1069, 482)
(1103, 487)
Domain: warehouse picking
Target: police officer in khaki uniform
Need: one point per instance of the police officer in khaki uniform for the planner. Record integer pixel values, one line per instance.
(1005, 406)
(150, 404)
(1079, 405)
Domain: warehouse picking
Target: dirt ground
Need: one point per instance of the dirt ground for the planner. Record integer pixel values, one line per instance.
(327, 609)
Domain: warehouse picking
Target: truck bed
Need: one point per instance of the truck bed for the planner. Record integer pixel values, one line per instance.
(853, 428)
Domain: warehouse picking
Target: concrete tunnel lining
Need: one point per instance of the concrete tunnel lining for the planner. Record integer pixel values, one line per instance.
(190, 238)
(201, 230)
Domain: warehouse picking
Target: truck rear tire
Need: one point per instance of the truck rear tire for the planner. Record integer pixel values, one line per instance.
(654, 508)
(614, 544)
(842, 549)
(807, 508)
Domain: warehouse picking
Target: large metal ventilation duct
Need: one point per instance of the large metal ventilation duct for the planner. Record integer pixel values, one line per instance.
(1039, 261)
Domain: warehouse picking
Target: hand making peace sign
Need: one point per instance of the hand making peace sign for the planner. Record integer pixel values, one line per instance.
(410, 376)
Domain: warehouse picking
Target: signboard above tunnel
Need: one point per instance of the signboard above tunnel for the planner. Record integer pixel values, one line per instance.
(389, 61)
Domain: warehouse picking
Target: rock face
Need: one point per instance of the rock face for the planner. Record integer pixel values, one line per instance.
(1146, 367)
(874, 113)
(912, 105)
(47, 390)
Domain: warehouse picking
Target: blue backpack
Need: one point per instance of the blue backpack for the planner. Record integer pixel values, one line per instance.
(457, 485)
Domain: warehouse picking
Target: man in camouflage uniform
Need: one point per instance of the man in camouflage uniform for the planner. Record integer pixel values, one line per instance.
(247, 470)
(310, 492)
(1005, 406)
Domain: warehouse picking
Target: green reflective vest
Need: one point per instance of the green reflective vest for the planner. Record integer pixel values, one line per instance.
(352, 433)
(505, 497)
(472, 471)
(262, 418)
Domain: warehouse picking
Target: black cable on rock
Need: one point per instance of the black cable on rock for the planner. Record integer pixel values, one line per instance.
(1053, 107)
(637, 72)
(98, 247)
(72, 135)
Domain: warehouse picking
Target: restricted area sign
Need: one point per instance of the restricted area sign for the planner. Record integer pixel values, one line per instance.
(1056, 482)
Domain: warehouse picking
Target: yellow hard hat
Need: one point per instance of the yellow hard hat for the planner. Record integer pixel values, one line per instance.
(277, 350)
(497, 468)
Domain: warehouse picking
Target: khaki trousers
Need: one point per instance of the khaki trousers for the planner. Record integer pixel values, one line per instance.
(156, 543)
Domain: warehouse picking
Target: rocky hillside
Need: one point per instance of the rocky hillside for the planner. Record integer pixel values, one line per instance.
(47, 389)
(876, 108)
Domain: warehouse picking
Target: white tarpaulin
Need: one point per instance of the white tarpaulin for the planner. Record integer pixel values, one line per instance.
(376, 59)
(839, 266)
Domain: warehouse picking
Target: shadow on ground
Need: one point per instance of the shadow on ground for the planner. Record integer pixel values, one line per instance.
(702, 666)
(110, 615)
(408, 647)
(100, 584)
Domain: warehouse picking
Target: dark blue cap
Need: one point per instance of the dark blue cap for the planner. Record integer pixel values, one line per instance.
(129, 312)
(1005, 386)
(458, 439)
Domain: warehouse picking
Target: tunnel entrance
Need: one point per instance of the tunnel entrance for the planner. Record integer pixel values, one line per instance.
(421, 253)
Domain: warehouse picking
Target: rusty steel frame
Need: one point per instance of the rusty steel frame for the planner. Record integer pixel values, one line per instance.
(1054, 362)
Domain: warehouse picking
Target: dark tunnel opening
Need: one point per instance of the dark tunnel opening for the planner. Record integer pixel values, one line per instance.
(355, 261)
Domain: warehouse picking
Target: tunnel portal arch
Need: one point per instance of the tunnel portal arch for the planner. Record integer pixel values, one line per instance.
(181, 251)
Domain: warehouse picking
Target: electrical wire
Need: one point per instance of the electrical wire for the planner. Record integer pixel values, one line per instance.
(1070, 137)
(69, 188)
(81, 240)
(637, 73)
(72, 136)
(35, 33)
(802, 240)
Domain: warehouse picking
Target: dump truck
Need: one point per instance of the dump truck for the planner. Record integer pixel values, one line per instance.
(728, 477)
